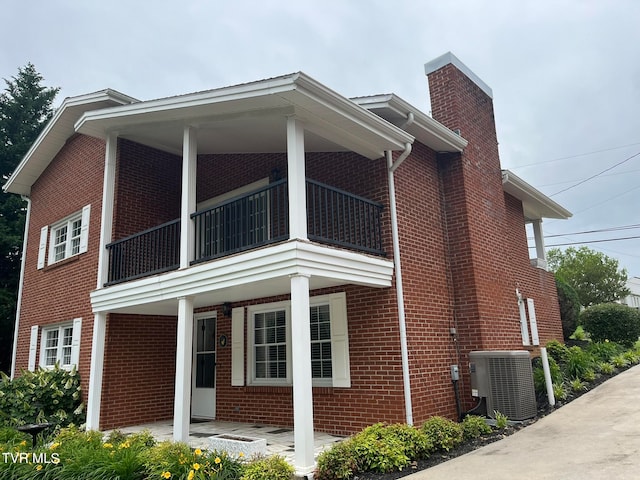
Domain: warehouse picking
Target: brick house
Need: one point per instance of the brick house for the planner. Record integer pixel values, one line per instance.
(273, 252)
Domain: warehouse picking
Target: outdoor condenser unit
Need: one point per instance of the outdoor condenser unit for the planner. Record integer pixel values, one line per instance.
(505, 380)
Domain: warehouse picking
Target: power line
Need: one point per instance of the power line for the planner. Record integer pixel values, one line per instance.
(576, 155)
(593, 241)
(611, 229)
(572, 181)
(597, 174)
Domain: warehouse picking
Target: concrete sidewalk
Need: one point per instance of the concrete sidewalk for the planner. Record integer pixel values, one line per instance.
(596, 436)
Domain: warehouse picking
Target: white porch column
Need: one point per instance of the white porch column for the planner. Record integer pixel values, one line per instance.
(188, 204)
(97, 367)
(184, 353)
(296, 179)
(541, 255)
(106, 216)
(301, 374)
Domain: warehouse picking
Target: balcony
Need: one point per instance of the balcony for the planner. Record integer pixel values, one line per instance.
(247, 222)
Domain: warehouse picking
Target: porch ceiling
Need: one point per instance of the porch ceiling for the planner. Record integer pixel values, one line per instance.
(251, 118)
(255, 274)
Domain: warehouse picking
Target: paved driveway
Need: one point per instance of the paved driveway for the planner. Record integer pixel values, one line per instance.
(596, 436)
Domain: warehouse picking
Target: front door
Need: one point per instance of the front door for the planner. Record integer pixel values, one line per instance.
(203, 385)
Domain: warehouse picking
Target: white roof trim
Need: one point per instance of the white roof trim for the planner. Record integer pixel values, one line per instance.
(55, 134)
(536, 204)
(450, 58)
(427, 130)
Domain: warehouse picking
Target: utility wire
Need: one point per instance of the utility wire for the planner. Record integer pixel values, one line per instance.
(612, 229)
(575, 156)
(593, 241)
(597, 174)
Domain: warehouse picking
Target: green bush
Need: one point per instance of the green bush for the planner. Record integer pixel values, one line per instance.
(443, 433)
(272, 468)
(578, 363)
(605, 368)
(502, 421)
(539, 381)
(337, 462)
(474, 426)
(41, 396)
(558, 351)
(378, 449)
(604, 351)
(569, 303)
(612, 321)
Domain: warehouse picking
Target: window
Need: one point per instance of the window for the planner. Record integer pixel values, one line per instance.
(59, 344)
(67, 238)
(269, 355)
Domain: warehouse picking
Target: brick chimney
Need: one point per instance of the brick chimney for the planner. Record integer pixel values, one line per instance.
(474, 204)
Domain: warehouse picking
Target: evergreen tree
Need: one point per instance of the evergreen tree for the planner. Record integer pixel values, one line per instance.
(25, 108)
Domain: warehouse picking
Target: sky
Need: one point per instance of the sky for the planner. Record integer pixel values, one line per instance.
(565, 74)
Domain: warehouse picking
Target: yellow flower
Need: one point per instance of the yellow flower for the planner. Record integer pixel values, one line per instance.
(191, 475)
(240, 455)
(54, 445)
(196, 466)
(166, 475)
(23, 443)
(125, 444)
(217, 460)
(39, 467)
(108, 445)
(198, 451)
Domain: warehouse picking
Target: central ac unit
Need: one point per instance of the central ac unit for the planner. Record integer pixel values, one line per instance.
(505, 380)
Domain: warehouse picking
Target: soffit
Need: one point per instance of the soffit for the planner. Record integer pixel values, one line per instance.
(535, 204)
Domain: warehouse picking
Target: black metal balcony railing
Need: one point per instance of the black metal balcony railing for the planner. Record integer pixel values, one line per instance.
(249, 221)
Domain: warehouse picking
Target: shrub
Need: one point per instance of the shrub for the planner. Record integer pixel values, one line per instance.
(539, 381)
(42, 396)
(378, 449)
(474, 426)
(273, 467)
(558, 351)
(569, 307)
(620, 361)
(605, 368)
(577, 385)
(443, 433)
(612, 321)
(559, 391)
(578, 363)
(502, 421)
(604, 351)
(337, 462)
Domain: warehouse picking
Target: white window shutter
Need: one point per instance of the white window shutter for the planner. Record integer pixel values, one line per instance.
(237, 347)
(75, 341)
(84, 230)
(339, 341)
(33, 348)
(533, 322)
(42, 247)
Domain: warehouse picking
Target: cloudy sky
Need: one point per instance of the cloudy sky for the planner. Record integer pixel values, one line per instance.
(565, 74)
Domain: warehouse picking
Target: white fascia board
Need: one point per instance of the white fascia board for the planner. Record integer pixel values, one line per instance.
(55, 134)
(424, 123)
(514, 185)
(290, 258)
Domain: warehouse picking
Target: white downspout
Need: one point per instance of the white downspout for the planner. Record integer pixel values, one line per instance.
(391, 167)
(19, 300)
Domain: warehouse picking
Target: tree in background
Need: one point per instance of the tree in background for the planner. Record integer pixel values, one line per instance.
(594, 276)
(25, 107)
(569, 307)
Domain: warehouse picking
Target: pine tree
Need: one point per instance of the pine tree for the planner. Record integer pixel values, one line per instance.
(25, 108)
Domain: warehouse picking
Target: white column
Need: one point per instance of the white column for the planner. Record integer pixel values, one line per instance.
(106, 217)
(301, 374)
(184, 354)
(296, 179)
(97, 367)
(539, 239)
(188, 204)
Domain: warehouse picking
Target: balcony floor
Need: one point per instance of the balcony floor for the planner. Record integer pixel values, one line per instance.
(279, 440)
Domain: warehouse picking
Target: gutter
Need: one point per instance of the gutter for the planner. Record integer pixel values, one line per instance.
(392, 166)
(19, 301)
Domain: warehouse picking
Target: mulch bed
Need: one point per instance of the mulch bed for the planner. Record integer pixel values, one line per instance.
(440, 457)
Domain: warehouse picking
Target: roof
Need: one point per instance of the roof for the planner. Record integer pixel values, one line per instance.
(401, 113)
(54, 135)
(536, 205)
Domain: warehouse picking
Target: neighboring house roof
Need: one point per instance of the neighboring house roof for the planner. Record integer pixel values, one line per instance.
(249, 118)
(54, 135)
(536, 205)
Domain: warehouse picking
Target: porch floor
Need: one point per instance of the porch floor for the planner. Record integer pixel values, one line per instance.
(279, 440)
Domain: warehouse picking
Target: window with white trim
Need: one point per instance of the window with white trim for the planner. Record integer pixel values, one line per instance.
(64, 239)
(269, 353)
(59, 344)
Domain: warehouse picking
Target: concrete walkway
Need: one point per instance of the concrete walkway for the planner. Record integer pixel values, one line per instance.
(596, 436)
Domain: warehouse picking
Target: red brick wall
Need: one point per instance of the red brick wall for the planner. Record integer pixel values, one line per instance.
(139, 370)
(60, 292)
